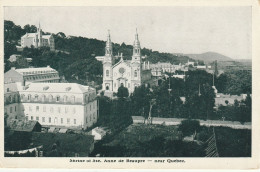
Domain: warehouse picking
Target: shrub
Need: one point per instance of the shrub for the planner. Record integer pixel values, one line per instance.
(188, 127)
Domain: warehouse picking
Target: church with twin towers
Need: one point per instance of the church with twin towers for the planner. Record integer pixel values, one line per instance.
(128, 73)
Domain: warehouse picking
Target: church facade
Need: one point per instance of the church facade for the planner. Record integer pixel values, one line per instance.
(127, 73)
(37, 40)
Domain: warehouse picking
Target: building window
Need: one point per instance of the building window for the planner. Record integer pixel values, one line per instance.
(29, 97)
(61, 120)
(115, 85)
(128, 85)
(43, 119)
(43, 98)
(135, 73)
(44, 108)
(36, 97)
(37, 118)
(49, 119)
(68, 121)
(65, 98)
(75, 121)
(90, 118)
(15, 108)
(11, 109)
(58, 109)
(31, 117)
(50, 98)
(37, 108)
(90, 107)
(58, 98)
(10, 99)
(26, 118)
(86, 119)
(72, 99)
(107, 72)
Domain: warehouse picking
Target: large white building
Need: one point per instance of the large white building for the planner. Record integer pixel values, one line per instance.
(37, 40)
(55, 104)
(128, 73)
(28, 75)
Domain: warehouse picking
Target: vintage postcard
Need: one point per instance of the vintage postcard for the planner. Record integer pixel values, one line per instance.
(120, 84)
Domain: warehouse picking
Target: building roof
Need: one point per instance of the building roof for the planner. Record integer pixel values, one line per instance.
(29, 35)
(100, 131)
(46, 36)
(33, 71)
(21, 125)
(56, 88)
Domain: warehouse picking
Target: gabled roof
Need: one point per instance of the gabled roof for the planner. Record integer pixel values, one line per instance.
(56, 88)
(29, 35)
(39, 70)
(127, 62)
(20, 125)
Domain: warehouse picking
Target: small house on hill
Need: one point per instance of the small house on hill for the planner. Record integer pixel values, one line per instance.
(27, 126)
(98, 133)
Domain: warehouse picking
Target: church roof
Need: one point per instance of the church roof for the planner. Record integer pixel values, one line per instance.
(29, 35)
(127, 62)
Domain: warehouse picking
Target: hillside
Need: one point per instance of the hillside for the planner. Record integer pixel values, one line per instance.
(74, 57)
(209, 57)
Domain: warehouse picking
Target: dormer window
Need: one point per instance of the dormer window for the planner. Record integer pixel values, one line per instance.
(68, 88)
(45, 88)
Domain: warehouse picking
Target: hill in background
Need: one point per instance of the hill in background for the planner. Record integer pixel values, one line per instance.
(209, 57)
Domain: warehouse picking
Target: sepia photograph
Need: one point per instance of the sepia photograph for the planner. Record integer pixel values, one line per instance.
(130, 82)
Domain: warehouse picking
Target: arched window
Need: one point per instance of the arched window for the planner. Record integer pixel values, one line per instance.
(10, 98)
(65, 98)
(58, 98)
(36, 97)
(29, 97)
(50, 98)
(135, 73)
(22, 97)
(43, 98)
(107, 87)
(72, 99)
(107, 72)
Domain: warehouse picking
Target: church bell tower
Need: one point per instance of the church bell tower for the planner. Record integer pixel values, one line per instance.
(136, 49)
(107, 66)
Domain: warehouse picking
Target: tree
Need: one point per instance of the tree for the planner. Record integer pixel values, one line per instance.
(122, 92)
(188, 127)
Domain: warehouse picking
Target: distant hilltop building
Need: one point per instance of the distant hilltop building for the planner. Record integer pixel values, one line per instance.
(28, 75)
(52, 104)
(37, 40)
(127, 73)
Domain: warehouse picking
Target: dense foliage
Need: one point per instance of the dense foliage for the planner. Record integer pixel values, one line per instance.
(189, 127)
(235, 82)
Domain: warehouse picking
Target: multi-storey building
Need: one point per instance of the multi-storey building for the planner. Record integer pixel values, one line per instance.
(12, 106)
(37, 40)
(28, 75)
(54, 104)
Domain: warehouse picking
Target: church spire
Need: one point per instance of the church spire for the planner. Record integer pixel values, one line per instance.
(108, 45)
(136, 46)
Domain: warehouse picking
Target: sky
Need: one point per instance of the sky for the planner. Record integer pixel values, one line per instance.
(225, 30)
